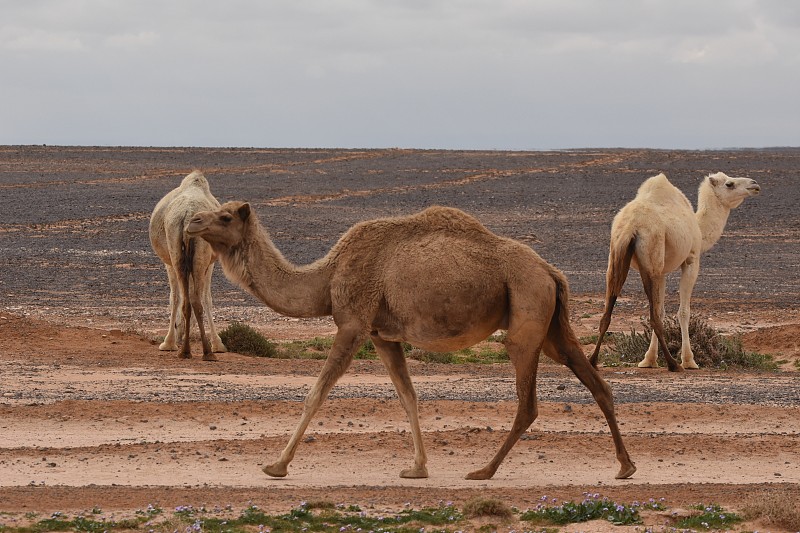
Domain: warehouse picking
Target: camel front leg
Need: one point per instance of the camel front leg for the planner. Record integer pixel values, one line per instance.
(524, 354)
(689, 271)
(216, 342)
(339, 359)
(655, 287)
(391, 354)
(170, 343)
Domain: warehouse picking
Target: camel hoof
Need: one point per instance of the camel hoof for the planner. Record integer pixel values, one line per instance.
(417, 472)
(483, 473)
(626, 471)
(275, 470)
(647, 364)
(185, 355)
(219, 349)
(165, 347)
(676, 368)
(210, 357)
(690, 365)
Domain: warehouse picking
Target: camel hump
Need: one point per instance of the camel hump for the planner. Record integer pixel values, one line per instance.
(655, 185)
(440, 217)
(656, 197)
(195, 179)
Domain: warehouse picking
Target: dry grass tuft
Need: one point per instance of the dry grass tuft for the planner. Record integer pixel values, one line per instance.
(778, 508)
(491, 508)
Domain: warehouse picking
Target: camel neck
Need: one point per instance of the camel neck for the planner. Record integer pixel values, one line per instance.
(711, 217)
(260, 268)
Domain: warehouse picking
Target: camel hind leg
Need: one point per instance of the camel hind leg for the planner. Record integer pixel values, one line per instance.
(199, 312)
(186, 310)
(654, 288)
(345, 344)
(391, 354)
(565, 348)
(619, 263)
(201, 294)
(524, 345)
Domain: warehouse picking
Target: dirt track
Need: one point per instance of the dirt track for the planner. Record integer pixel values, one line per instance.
(92, 414)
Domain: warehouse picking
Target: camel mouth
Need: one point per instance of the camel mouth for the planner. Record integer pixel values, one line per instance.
(753, 189)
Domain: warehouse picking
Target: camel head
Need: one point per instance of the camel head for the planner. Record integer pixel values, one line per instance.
(224, 229)
(732, 191)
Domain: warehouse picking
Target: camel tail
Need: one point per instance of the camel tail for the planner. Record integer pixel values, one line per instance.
(560, 320)
(187, 257)
(620, 255)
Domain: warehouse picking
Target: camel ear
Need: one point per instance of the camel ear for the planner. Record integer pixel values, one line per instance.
(716, 179)
(244, 211)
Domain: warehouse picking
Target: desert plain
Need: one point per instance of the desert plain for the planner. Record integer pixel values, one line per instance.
(92, 415)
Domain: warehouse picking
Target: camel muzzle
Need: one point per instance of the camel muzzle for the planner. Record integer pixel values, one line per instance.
(754, 188)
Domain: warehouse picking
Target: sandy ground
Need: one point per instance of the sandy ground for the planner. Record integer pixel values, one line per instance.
(93, 415)
(100, 418)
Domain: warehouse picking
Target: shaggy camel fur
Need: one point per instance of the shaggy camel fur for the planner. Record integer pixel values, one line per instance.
(656, 233)
(438, 280)
(189, 262)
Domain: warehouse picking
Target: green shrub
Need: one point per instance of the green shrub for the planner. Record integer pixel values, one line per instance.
(243, 339)
(711, 350)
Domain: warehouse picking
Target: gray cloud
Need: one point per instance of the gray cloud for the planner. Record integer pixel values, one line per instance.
(505, 74)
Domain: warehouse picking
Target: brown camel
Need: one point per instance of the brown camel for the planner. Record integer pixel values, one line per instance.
(189, 263)
(658, 232)
(438, 280)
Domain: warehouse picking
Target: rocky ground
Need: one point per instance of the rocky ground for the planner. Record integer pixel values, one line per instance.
(93, 415)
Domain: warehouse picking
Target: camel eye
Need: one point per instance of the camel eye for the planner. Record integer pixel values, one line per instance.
(226, 218)
(729, 185)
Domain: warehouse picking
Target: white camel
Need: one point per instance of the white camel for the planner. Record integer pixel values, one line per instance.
(189, 262)
(657, 232)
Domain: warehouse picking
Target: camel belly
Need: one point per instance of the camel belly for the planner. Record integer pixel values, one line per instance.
(442, 324)
(440, 340)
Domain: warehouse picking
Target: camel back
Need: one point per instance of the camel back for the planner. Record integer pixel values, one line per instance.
(372, 234)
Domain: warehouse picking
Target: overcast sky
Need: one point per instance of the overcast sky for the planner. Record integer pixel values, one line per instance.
(480, 74)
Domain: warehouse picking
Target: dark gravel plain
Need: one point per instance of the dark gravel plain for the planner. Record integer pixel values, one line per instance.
(73, 223)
